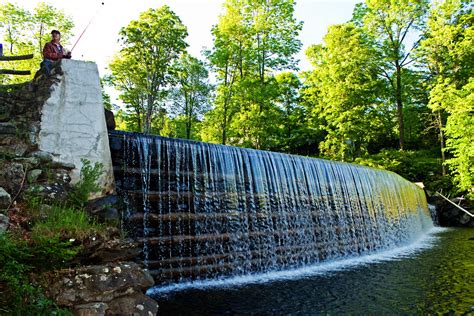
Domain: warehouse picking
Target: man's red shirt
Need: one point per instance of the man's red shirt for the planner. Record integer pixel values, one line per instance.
(53, 51)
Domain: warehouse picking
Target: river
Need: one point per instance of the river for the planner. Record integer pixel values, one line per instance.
(433, 276)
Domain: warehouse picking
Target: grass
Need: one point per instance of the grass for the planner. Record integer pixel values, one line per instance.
(68, 222)
(54, 238)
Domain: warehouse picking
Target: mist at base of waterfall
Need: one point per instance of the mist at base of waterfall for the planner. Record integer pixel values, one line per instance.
(425, 241)
(432, 276)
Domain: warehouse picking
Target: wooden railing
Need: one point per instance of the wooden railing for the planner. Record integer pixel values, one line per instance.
(15, 72)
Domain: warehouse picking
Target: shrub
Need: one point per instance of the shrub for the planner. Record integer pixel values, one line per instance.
(87, 184)
(57, 232)
(417, 166)
(18, 259)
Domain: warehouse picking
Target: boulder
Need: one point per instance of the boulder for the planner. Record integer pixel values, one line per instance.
(11, 176)
(99, 283)
(15, 148)
(106, 201)
(4, 222)
(50, 192)
(33, 131)
(5, 199)
(105, 208)
(62, 165)
(59, 176)
(96, 309)
(33, 175)
(109, 119)
(137, 304)
(113, 251)
(43, 156)
(28, 163)
(451, 216)
(20, 149)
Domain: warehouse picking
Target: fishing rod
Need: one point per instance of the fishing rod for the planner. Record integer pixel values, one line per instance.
(80, 36)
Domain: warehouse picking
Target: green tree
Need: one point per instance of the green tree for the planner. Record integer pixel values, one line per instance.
(391, 22)
(45, 18)
(13, 22)
(26, 32)
(447, 51)
(294, 115)
(150, 45)
(252, 41)
(345, 94)
(126, 77)
(191, 96)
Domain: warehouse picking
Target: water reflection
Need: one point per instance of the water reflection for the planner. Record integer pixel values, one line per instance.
(438, 280)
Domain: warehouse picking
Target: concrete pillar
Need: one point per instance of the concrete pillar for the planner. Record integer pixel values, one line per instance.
(73, 122)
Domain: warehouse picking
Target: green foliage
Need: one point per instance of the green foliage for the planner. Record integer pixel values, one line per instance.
(68, 222)
(343, 93)
(292, 130)
(459, 103)
(142, 71)
(391, 23)
(448, 54)
(19, 258)
(80, 193)
(26, 32)
(191, 96)
(398, 72)
(417, 166)
(105, 96)
(56, 237)
(252, 41)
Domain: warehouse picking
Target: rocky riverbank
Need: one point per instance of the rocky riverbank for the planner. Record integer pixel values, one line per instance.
(450, 214)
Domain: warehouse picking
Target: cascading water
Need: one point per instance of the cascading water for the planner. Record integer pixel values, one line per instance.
(205, 211)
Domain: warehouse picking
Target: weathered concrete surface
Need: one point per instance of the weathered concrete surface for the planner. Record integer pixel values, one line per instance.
(73, 122)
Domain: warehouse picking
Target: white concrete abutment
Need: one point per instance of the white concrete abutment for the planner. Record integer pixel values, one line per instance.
(73, 122)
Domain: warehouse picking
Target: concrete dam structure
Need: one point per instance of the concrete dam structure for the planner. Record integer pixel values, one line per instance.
(205, 211)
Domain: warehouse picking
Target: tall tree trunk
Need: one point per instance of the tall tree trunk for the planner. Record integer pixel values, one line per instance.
(39, 39)
(188, 114)
(138, 116)
(224, 119)
(441, 140)
(149, 114)
(224, 123)
(398, 98)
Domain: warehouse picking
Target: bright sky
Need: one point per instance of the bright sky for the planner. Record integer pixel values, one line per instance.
(99, 42)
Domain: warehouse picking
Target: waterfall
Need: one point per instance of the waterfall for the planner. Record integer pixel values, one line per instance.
(208, 211)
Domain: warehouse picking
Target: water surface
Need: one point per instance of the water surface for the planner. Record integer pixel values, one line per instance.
(435, 279)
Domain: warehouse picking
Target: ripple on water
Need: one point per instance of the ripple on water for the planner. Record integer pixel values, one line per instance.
(433, 275)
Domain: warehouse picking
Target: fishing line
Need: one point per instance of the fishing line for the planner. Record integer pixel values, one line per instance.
(80, 36)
